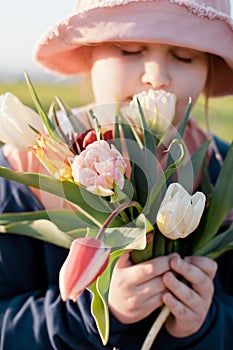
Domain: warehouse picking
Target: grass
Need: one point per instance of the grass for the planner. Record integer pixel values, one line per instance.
(220, 116)
(220, 109)
(73, 95)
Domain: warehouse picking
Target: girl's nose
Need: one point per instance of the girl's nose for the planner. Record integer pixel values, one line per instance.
(155, 75)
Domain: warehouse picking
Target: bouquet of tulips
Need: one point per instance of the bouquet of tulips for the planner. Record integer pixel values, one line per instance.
(119, 200)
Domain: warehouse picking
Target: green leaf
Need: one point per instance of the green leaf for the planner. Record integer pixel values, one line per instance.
(154, 198)
(55, 120)
(99, 305)
(148, 156)
(179, 135)
(137, 256)
(50, 127)
(41, 229)
(119, 195)
(126, 238)
(189, 172)
(77, 125)
(66, 220)
(221, 201)
(159, 244)
(206, 186)
(183, 124)
(130, 236)
(87, 203)
(117, 133)
(129, 131)
(143, 160)
(217, 245)
(149, 139)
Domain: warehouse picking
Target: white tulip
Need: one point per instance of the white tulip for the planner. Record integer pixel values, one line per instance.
(15, 119)
(180, 213)
(158, 108)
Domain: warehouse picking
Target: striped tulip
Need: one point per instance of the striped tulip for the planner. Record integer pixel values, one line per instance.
(87, 259)
(54, 155)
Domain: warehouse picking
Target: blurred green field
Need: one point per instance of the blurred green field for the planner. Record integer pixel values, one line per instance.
(74, 95)
(220, 109)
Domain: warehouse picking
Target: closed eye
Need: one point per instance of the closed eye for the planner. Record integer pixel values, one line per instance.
(182, 59)
(131, 53)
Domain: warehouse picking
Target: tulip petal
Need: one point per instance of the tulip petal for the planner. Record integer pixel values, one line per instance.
(87, 259)
(158, 107)
(15, 122)
(180, 213)
(99, 167)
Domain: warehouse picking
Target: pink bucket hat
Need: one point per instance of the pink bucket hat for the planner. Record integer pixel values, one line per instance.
(204, 25)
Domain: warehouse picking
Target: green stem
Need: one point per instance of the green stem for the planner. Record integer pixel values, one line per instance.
(115, 213)
(169, 246)
(124, 217)
(159, 248)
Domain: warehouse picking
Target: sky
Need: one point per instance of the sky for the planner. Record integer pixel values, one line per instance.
(21, 25)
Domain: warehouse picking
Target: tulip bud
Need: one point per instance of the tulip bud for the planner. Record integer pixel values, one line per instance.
(15, 121)
(180, 213)
(87, 259)
(158, 108)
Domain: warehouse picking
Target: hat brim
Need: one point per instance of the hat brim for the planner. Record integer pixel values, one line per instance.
(65, 48)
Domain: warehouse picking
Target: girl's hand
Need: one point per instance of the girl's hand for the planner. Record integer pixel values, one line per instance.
(136, 290)
(189, 304)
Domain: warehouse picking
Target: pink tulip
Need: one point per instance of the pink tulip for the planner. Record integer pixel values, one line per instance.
(87, 259)
(99, 167)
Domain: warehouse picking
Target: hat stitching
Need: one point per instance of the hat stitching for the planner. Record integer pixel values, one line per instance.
(201, 10)
(204, 11)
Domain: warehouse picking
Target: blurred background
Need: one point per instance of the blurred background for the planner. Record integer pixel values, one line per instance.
(21, 25)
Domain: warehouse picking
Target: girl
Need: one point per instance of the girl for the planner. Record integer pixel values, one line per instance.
(126, 46)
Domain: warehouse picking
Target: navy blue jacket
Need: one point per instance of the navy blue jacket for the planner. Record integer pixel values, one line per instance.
(33, 316)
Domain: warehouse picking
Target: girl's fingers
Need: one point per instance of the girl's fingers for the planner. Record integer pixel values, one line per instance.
(176, 307)
(151, 288)
(178, 324)
(123, 261)
(141, 273)
(205, 264)
(181, 292)
(150, 269)
(199, 275)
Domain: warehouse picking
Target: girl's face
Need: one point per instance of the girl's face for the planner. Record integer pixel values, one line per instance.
(121, 70)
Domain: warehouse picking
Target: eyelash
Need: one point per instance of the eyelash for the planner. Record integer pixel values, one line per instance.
(182, 59)
(131, 53)
(138, 52)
